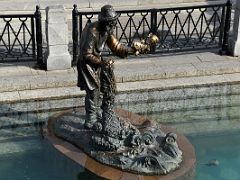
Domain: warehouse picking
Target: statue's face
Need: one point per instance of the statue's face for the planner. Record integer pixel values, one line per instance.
(109, 26)
(112, 24)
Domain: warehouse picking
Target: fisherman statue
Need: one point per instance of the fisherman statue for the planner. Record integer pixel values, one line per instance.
(113, 139)
(95, 74)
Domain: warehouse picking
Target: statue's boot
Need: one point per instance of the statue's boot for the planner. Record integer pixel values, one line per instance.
(91, 107)
(98, 108)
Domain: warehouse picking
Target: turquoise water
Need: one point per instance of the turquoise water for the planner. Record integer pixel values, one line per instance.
(24, 155)
(223, 147)
(32, 158)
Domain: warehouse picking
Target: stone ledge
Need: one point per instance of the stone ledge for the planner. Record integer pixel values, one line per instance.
(128, 87)
(41, 94)
(132, 71)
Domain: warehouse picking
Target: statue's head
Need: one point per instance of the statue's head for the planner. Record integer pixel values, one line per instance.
(108, 18)
(107, 14)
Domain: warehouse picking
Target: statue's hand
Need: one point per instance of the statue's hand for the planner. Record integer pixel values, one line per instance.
(108, 63)
(145, 45)
(140, 48)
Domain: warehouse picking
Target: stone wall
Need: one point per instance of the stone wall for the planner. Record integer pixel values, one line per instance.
(191, 110)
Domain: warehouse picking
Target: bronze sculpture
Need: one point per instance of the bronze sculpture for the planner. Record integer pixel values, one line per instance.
(91, 76)
(93, 39)
(102, 134)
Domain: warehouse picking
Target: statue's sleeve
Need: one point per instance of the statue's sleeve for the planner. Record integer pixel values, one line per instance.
(88, 50)
(116, 47)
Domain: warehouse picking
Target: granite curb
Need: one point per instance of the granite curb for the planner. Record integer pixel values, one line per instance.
(22, 82)
(126, 87)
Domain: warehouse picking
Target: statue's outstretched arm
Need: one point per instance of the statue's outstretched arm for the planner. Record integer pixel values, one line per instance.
(117, 48)
(137, 47)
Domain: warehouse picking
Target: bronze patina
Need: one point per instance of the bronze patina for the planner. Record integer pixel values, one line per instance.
(113, 139)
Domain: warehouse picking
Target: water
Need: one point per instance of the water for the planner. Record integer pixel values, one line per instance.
(31, 158)
(223, 147)
(24, 155)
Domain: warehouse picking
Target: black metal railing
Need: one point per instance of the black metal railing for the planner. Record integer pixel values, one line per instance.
(21, 37)
(179, 29)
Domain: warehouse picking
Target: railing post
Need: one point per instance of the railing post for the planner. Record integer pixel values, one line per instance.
(75, 34)
(227, 24)
(33, 38)
(235, 39)
(80, 28)
(153, 26)
(38, 17)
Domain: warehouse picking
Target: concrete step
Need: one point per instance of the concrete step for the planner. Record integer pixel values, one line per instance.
(148, 67)
(177, 100)
(165, 84)
(193, 89)
(190, 116)
(23, 119)
(196, 115)
(201, 120)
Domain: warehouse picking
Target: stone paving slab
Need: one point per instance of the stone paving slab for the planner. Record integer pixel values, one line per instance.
(146, 71)
(210, 57)
(50, 93)
(138, 86)
(220, 67)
